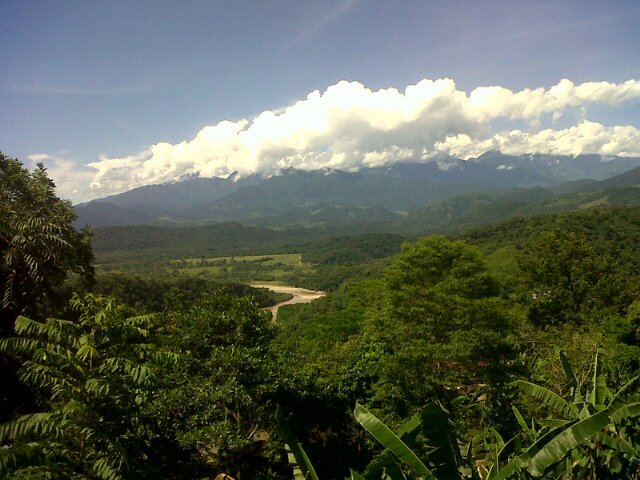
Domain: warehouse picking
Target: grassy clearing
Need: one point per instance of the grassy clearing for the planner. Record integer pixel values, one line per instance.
(245, 268)
(271, 259)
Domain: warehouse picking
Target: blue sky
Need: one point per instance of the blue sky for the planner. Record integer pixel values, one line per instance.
(102, 83)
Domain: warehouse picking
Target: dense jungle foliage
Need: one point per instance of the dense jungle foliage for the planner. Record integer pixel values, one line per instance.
(511, 351)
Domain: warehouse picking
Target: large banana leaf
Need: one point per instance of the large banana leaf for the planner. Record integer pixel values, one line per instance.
(572, 379)
(302, 461)
(384, 465)
(521, 462)
(390, 440)
(626, 411)
(600, 392)
(446, 456)
(572, 436)
(549, 398)
(617, 399)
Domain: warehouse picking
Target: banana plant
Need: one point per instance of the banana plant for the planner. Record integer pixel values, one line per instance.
(298, 459)
(593, 429)
(427, 430)
(594, 425)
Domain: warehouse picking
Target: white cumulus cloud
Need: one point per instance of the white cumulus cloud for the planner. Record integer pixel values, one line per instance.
(70, 181)
(585, 137)
(349, 126)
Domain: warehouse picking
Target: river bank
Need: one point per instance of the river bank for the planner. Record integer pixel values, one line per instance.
(300, 295)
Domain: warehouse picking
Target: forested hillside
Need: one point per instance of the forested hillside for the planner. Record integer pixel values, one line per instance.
(509, 350)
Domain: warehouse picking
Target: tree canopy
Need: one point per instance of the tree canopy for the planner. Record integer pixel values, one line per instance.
(38, 244)
(566, 280)
(96, 372)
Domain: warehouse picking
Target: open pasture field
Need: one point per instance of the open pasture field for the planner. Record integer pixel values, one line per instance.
(270, 268)
(270, 259)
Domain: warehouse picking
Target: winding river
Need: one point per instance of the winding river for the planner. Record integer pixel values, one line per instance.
(300, 295)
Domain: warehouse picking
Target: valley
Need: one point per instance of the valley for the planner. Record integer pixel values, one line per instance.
(456, 308)
(320, 240)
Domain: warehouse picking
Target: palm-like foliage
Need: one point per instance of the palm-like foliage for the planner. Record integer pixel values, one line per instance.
(596, 436)
(428, 431)
(97, 372)
(423, 448)
(298, 459)
(596, 431)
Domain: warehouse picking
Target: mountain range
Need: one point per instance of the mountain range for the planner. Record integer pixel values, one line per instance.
(408, 193)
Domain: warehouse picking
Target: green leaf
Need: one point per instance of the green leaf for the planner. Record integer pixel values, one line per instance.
(621, 445)
(553, 422)
(355, 475)
(506, 448)
(87, 351)
(572, 379)
(548, 398)
(105, 470)
(521, 462)
(617, 397)
(572, 436)
(384, 465)
(411, 428)
(302, 461)
(26, 326)
(390, 440)
(446, 456)
(600, 392)
(568, 371)
(521, 420)
(625, 411)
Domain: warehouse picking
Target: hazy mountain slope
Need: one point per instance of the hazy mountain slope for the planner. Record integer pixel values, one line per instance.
(574, 186)
(562, 168)
(402, 187)
(178, 196)
(104, 214)
(626, 179)
(333, 197)
(469, 211)
(170, 198)
(329, 215)
(311, 190)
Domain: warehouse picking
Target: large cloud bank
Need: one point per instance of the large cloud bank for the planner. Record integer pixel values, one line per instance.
(349, 126)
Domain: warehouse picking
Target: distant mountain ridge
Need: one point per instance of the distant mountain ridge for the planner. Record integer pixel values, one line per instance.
(298, 198)
(563, 168)
(474, 210)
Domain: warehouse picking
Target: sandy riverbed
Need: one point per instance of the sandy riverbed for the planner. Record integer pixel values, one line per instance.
(300, 295)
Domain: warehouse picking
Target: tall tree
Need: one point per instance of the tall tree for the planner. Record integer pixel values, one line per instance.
(97, 373)
(219, 409)
(428, 276)
(566, 281)
(445, 325)
(38, 248)
(38, 243)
